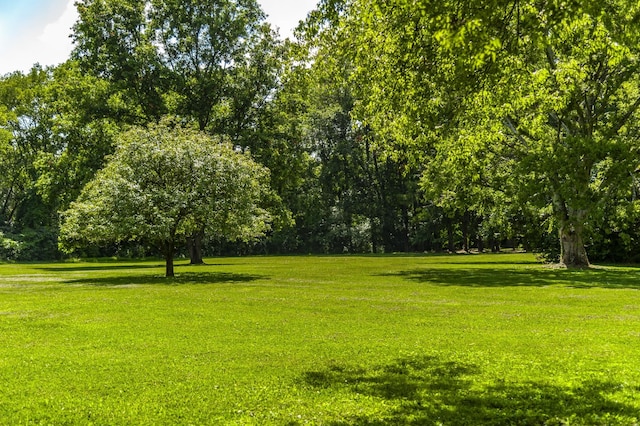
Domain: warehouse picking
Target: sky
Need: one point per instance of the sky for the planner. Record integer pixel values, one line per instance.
(38, 30)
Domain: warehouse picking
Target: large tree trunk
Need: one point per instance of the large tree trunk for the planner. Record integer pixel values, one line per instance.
(570, 228)
(194, 244)
(572, 251)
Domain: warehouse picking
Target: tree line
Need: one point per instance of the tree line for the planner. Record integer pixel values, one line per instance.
(386, 126)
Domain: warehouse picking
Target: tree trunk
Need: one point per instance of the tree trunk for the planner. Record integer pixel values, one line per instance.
(571, 226)
(168, 257)
(349, 223)
(465, 231)
(572, 251)
(406, 232)
(194, 244)
(451, 243)
(374, 239)
(494, 241)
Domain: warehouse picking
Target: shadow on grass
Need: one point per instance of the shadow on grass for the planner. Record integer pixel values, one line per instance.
(99, 267)
(538, 277)
(429, 391)
(183, 278)
(64, 267)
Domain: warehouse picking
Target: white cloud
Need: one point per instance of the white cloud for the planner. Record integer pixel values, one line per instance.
(286, 14)
(22, 44)
(62, 27)
(55, 36)
(32, 38)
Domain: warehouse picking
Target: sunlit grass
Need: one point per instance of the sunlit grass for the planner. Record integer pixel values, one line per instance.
(320, 340)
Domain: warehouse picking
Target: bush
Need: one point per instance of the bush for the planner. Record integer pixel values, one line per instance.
(9, 248)
(30, 244)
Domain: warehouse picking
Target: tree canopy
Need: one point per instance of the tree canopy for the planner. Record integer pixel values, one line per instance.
(161, 185)
(387, 126)
(502, 100)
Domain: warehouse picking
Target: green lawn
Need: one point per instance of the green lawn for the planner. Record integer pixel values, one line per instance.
(478, 339)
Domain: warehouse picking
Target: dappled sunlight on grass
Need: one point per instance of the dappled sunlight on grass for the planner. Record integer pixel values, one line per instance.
(487, 276)
(66, 267)
(333, 340)
(181, 279)
(429, 390)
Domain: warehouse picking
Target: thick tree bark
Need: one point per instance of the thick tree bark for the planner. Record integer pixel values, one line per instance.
(570, 228)
(572, 251)
(194, 244)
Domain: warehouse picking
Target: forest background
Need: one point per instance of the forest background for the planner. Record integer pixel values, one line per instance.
(386, 126)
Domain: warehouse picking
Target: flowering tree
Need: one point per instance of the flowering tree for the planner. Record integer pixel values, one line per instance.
(163, 184)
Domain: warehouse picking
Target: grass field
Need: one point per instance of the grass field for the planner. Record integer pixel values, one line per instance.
(407, 340)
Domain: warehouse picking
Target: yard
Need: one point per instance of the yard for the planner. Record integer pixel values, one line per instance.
(352, 340)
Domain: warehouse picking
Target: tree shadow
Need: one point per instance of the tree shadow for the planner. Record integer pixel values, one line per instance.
(429, 391)
(99, 267)
(485, 259)
(535, 277)
(184, 278)
(111, 265)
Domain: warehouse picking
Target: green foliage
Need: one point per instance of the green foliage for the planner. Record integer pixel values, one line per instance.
(164, 184)
(55, 136)
(570, 109)
(214, 64)
(390, 126)
(83, 130)
(111, 42)
(9, 248)
(497, 103)
(30, 244)
(208, 62)
(219, 60)
(365, 198)
(24, 135)
(470, 339)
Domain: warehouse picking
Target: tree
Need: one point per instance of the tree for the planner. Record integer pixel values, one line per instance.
(26, 130)
(113, 41)
(206, 49)
(82, 121)
(215, 63)
(579, 141)
(553, 87)
(161, 185)
(220, 62)
(367, 175)
(55, 130)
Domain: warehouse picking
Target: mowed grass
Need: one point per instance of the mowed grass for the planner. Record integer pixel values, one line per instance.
(407, 340)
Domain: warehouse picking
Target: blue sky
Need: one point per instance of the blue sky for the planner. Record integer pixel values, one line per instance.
(34, 31)
(38, 30)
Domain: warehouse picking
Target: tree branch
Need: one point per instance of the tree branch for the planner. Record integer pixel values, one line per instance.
(519, 134)
(625, 118)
